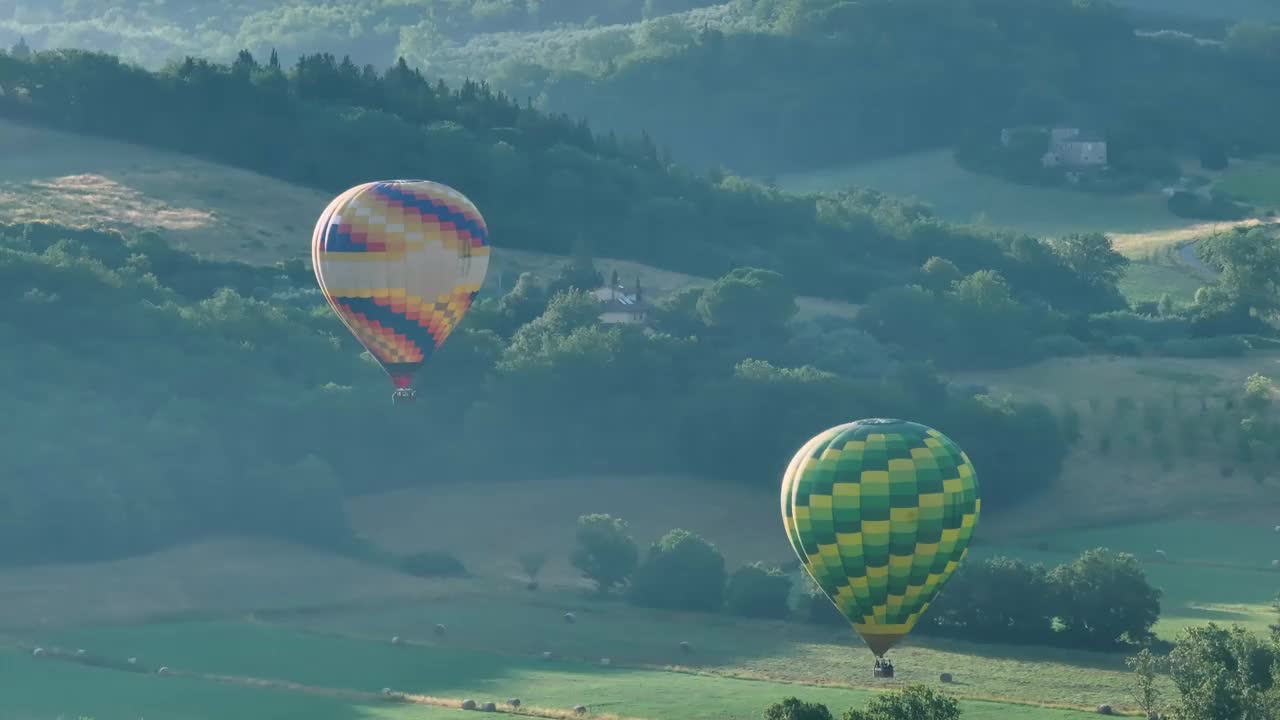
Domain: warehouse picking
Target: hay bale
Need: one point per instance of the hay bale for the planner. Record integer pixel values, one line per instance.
(440, 630)
(606, 661)
(1275, 564)
(570, 618)
(386, 692)
(548, 655)
(513, 702)
(80, 652)
(132, 661)
(1164, 556)
(488, 707)
(1105, 709)
(946, 678)
(395, 639)
(468, 704)
(37, 652)
(685, 648)
(580, 709)
(1278, 529)
(164, 670)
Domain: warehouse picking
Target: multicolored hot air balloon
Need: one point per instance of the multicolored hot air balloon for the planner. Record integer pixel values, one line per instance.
(400, 262)
(880, 513)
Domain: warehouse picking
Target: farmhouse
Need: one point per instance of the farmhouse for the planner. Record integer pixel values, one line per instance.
(1071, 147)
(618, 306)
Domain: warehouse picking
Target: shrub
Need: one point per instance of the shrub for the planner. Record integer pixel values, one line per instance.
(1130, 345)
(434, 563)
(794, 709)
(758, 591)
(681, 572)
(1103, 599)
(817, 607)
(915, 702)
(604, 552)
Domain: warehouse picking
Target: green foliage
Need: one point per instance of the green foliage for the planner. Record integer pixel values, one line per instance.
(914, 702)
(1146, 668)
(758, 591)
(795, 709)
(433, 564)
(748, 303)
(681, 572)
(603, 551)
(1103, 598)
(1100, 601)
(1227, 674)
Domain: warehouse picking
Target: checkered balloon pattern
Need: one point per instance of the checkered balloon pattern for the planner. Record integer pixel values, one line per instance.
(880, 512)
(400, 262)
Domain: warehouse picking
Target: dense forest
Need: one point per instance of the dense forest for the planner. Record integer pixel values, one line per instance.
(839, 82)
(214, 397)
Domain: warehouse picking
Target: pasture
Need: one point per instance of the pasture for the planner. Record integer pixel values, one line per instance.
(964, 197)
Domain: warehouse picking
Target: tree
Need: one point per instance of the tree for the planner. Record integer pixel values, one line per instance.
(1224, 674)
(915, 702)
(604, 552)
(1146, 666)
(1103, 598)
(1250, 264)
(681, 572)
(758, 591)
(1091, 256)
(794, 709)
(579, 272)
(996, 600)
(748, 302)
(938, 275)
(532, 563)
(21, 50)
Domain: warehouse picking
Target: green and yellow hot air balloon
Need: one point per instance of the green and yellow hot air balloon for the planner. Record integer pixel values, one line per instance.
(880, 513)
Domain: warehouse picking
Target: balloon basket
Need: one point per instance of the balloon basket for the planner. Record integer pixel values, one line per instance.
(403, 396)
(883, 669)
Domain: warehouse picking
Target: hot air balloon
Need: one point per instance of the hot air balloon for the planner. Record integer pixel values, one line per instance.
(400, 262)
(880, 513)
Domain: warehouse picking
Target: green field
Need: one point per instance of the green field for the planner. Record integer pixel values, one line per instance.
(1255, 182)
(1148, 281)
(42, 689)
(365, 665)
(497, 633)
(961, 196)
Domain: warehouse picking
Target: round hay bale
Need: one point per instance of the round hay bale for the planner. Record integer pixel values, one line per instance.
(548, 655)
(1275, 564)
(132, 661)
(606, 661)
(513, 702)
(570, 618)
(80, 652)
(1106, 710)
(488, 707)
(164, 670)
(386, 691)
(468, 704)
(440, 630)
(580, 709)
(1278, 529)
(395, 639)
(37, 652)
(685, 647)
(946, 678)
(1164, 556)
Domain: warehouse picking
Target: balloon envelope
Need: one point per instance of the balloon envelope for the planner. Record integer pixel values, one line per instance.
(400, 262)
(882, 512)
